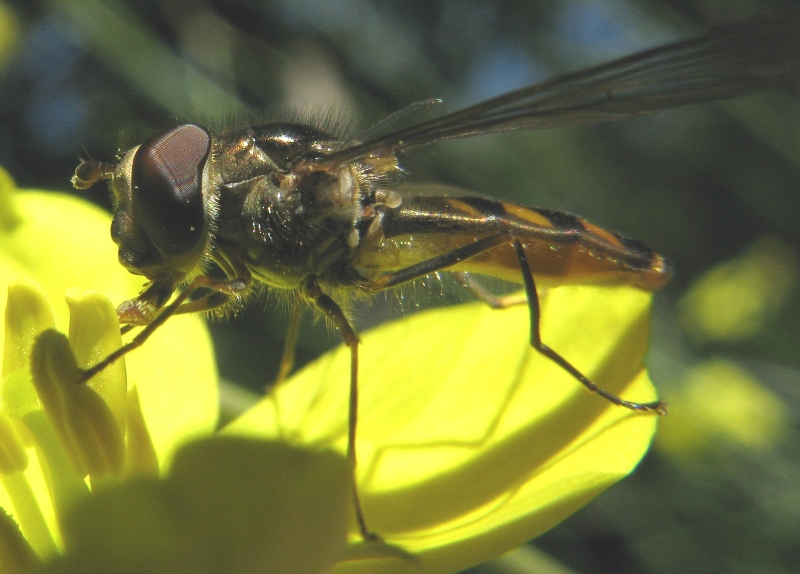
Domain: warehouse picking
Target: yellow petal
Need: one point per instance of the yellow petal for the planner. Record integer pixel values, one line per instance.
(94, 334)
(228, 506)
(86, 426)
(28, 314)
(469, 442)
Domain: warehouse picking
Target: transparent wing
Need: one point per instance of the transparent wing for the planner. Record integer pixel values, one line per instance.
(730, 62)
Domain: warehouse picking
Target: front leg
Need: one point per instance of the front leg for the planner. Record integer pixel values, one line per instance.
(143, 308)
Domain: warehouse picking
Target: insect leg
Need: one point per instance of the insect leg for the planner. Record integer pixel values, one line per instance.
(207, 303)
(211, 301)
(536, 343)
(481, 292)
(228, 287)
(292, 334)
(325, 303)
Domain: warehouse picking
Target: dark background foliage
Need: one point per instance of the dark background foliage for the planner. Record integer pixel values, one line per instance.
(703, 185)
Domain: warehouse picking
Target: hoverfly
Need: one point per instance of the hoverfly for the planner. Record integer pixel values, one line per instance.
(296, 208)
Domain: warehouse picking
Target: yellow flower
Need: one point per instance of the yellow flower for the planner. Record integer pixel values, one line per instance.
(739, 298)
(746, 414)
(55, 436)
(469, 442)
(223, 505)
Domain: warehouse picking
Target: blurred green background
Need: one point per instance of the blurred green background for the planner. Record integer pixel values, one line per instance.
(716, 188)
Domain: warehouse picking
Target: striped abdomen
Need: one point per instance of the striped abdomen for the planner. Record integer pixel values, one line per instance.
(561, 248)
